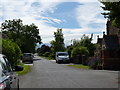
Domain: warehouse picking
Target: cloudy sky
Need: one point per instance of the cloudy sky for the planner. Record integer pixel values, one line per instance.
(75, 17)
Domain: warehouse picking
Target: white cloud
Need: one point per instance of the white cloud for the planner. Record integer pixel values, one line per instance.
(87, 14)
(23, 9)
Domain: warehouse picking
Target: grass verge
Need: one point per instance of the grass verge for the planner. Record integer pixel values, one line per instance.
(27, 68)
(80, 66)
(48, 58)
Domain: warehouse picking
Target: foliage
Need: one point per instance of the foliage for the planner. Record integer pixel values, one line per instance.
(52, 53)
(113, 12)
(43, 49)
(58, 44)
(26, 36)
(69, 50)
(85, 42)
(80, 66)
(12, 51)
(46, 54)
(79, 51)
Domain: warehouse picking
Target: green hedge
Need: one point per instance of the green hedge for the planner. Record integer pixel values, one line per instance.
(12, 51)
(78, 51)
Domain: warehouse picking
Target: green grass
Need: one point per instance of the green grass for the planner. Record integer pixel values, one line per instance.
(48, 58)
(80, 66)
(27, 68)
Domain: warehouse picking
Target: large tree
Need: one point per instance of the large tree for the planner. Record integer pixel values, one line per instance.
(113, 12)
(59, 39)
(26, 36)
(58, 43)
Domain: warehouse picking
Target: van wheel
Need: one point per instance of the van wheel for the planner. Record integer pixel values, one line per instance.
(56, 61)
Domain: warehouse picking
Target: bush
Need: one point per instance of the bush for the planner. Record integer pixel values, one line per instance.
(79, 51)
(69, 50)
(12, 51)
(47, 54)
(52, 56)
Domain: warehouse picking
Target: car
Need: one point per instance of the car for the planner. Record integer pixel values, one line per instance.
(27, 58)
(62, 57)
(8, 77)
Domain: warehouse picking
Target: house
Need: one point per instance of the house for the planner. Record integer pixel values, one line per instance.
(109, 50)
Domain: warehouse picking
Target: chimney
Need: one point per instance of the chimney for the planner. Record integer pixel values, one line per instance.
(103, 34)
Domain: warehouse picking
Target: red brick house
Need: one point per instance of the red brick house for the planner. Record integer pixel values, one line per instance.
(109, 51)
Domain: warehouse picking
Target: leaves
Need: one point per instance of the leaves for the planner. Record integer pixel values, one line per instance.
(12, 51)
(26, 36)
(114, 12)
(59, 41)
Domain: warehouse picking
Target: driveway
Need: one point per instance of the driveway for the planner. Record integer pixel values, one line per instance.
(48, 74)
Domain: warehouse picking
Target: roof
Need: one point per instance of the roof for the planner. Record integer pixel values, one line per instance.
(111, 42)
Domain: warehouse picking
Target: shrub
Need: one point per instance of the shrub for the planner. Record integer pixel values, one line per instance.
(52, 56)
(78, 51)
(12, 51)
(47, 54)
(69, 50)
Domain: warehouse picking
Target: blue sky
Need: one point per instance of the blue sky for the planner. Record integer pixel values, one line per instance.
(75, 17)
(66, 12)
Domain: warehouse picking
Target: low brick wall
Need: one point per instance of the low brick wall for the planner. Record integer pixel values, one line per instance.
(111, 63)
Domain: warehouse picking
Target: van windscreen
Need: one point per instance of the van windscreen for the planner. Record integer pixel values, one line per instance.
(62, 54)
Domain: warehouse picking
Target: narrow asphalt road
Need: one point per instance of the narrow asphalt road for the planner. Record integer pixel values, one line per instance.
(48, 74)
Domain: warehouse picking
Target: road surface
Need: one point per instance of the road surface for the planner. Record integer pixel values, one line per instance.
(48, 74)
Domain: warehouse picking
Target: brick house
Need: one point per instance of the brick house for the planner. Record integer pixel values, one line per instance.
(109, 51)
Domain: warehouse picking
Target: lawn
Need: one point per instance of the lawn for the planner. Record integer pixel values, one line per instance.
(48, 58)
(27, 68)
(80, 66)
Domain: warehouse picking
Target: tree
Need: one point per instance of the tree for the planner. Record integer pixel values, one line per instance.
(113, 12)
(26, 36)
(30, 38)
(44, 49)
(13, 29)
(59, 41)
(85, 42)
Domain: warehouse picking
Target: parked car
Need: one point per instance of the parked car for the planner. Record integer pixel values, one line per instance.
(8, 77)
(27, 58)
(62, 57)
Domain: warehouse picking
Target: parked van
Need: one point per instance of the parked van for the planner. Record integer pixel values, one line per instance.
(62, 57)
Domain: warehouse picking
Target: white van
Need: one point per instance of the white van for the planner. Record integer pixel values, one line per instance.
(62, 57)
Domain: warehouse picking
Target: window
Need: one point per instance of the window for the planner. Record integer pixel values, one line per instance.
(4, 65)
(8, 65)
(1, 71)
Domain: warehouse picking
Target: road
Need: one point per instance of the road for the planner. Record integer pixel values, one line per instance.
(48, 74)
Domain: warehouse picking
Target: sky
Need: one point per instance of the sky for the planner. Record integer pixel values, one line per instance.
(75, 17)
